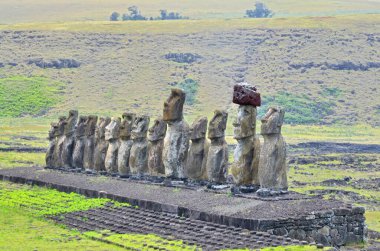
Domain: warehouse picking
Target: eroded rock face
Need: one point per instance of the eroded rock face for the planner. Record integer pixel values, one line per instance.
(244, 169)
(49, 158)
(125, 144)
(272, 167)
(79, 136)
(217, 158)
(138, 160)
(89, 147)
(112, 136)
(176, 142)
(156, 135)
(198, 150)
(101, 145)
(246, 94)
(59, 134)
(68, 142)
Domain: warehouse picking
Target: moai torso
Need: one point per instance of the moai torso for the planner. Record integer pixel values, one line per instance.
(79, 143)
(89, 147)
(101, 145)
(112, 137)
(155, 147)
(217, 157)
(125, 144)
(138, 160)
(68, 143)
(176, 142)
(198, 150)
(49, 159)
(57, 157)
(272, 166)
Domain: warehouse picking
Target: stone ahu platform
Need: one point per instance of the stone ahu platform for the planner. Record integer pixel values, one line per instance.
(297, 216)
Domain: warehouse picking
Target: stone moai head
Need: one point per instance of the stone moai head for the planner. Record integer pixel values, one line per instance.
(53, 131)
(61, 126)
(245, 123)
(157, 131)
(100, 129)
(112, 129)
(80, 126)
(70, 122)
(272, 121)
(126, 125)
(140, 127)
(198, 129)
(90, 125)
(217, 124)
(173, 106)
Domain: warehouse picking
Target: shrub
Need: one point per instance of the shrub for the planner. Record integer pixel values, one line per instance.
(170, 16)
(114, 16)
(190, 87)
(260, 11)
(134, 14)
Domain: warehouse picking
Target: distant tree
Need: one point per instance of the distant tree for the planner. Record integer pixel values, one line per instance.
(134, 14)
(170, 16)
(260, 11)
(114, 16)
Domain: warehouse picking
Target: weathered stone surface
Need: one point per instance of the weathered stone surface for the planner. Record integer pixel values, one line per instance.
(217, 157)
(89, 147)
(125, 143)
(197, 156)
(244, 169)
(138, 159)
(49, 158)
(272, 165)
(112, 136)
(68, 142)
(155, 147)
(246, 94)
(176, 142)
(79, 143)
(101, 145)
(57, 156)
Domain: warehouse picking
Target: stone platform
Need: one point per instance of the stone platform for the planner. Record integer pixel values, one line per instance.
(305, 218)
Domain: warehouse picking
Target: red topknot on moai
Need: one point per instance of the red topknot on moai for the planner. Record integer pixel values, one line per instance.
(246, 94)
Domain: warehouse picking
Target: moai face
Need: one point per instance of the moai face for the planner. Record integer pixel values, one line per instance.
(157, 131)
(140, 127)
(53, 130)
(198, 128)
(60, 126)
(173, 107)
(126, 125)
(90, 125)
(245, 123)
(101, 127)
(217, 125)
(71, 122)
(80, 126)
(112, 129)
(272, 121)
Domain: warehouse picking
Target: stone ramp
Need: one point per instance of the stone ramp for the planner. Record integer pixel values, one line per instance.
(290, 214)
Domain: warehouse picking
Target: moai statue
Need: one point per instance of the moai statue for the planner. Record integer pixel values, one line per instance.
(89, 147)
(244, 169)
(176, 142)
(217, 157)
(138, 159)
(80, 142)
(101, 145)
(69, 143)
(198, 150)
(272, 166)
(59, 135)
(125, 144)
(112, 137)
(156, 135)
(49, 159)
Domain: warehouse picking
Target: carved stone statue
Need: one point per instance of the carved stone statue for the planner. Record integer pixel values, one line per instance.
(79, 143)
(112, 137)
(49, 158)
(247, 152)
(125, 144)
(217, 158)
(272, 166)
(59, 135)
(199, 146)
(176, 142)
(89, 147)
(138, 160)
(68, 142)
(101, 145)
(155, 147)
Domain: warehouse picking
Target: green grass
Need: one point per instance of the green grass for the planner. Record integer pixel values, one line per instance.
(286, 248)
(21, 159)
(22, 96)
(373, 220)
